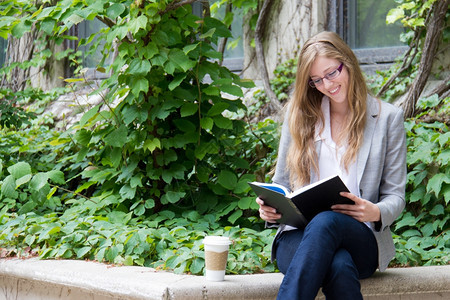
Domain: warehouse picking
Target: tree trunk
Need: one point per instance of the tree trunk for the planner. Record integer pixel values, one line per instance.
(434, 31)
(18, 50)
(274, 104)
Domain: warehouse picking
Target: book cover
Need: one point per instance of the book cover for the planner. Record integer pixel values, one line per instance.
(299, 207)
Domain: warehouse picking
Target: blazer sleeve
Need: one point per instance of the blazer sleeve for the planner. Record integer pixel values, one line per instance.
(391, 200)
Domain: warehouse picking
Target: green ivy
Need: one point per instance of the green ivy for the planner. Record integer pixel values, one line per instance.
(422, 232)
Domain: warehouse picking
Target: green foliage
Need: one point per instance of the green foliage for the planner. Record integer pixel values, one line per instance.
(166, 163)
(12, 115)
(165, 242)
(422, 232)
(413, 15)
(284, 79)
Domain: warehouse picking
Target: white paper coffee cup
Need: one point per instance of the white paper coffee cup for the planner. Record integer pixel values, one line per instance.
(216, 256)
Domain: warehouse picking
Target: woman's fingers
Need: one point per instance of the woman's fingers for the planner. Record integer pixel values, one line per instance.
(267, 213)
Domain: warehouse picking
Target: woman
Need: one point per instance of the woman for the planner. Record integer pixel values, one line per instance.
(332, 126)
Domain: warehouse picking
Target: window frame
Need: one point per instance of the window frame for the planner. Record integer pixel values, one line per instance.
(371, 59)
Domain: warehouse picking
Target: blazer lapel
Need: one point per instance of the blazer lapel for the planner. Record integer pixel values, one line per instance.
(373, 111)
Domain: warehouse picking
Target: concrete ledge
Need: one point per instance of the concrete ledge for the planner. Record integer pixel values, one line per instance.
(69, 279)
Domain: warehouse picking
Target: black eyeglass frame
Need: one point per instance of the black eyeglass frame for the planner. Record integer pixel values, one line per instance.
(339, 69)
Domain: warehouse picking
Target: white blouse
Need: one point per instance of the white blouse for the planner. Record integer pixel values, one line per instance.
(331, 155)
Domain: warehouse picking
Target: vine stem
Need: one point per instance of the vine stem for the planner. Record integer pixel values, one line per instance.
(72, 192)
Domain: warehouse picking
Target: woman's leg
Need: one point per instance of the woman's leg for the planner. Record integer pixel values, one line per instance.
(341, 281)
(309, 265)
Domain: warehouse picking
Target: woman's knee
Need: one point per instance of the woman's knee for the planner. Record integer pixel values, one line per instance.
(327, 220)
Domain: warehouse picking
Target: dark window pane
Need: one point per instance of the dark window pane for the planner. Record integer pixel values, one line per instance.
(367, 26)
(3, 44)
(91, 59)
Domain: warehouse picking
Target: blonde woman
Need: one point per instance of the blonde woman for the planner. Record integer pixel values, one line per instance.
(332, 126)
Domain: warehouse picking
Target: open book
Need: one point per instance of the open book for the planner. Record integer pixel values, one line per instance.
(299, 207)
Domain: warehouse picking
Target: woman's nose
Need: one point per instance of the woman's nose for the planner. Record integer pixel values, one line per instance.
(327, 83)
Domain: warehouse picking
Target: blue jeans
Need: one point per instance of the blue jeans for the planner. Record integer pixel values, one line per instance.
(334, 251)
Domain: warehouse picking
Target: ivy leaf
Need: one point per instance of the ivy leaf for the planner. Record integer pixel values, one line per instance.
(207, 34)
(89, 115)
(75, 19)
(83, 137)
(152, 144)
(437, 210)
(56, 176)
(427, 229)
(246, 202)
(139, 210)
(176, 81)
(435, 183)
(115, 10)
(223, 122)
(21, 28)
(178, 57)
(81, 252)
(141, 85)
(444, 139)
(9, 187)
(235, 216)
(188, 109)
(118, 137)
(23, 180)
(197, 265)
(207, 123)
(407, 220)
(48, 25)
(394, 15)
(39, 181)
(218, 108)
(27, 207)
(232, 90)
(19, 169)
(220, 28)
(139, 67)
(212, 91)
(189, 48)
(127, 192)
(172, 197)
(446, 192)
(136, 24)
(227, 179)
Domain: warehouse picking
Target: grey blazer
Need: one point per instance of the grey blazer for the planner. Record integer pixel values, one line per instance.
(381, 170)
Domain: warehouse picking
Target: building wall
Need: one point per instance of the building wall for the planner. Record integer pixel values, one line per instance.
(290, 24)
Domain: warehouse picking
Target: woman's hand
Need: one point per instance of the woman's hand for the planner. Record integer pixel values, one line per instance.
(267, 213)
(362, 210)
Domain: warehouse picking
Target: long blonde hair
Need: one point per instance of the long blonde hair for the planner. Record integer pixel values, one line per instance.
(305, 107)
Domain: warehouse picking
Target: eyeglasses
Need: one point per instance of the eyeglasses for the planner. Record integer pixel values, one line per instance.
(330, 76)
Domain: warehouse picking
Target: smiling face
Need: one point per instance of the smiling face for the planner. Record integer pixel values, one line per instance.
(336, 88)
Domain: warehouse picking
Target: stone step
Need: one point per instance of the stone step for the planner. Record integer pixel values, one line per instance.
(35, 279)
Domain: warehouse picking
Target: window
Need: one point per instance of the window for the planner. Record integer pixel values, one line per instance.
(362, 24)
(3, 44)
(91, 59)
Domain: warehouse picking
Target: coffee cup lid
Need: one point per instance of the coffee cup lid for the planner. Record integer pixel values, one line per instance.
(217, 240)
